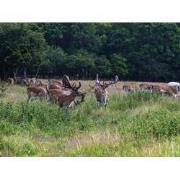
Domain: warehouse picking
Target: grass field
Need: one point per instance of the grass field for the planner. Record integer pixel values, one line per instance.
(137, 124)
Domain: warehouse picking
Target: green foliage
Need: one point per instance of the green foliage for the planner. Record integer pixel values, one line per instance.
(118, 63)
(20, 46)
(127, 127)
(56, 61)
(136, 51)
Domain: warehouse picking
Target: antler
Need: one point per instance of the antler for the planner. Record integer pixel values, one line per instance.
(78, 86)
(112, 82)
(67, 84)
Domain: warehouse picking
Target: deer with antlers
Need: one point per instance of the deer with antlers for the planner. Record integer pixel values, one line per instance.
(100, 91)
(66, 94)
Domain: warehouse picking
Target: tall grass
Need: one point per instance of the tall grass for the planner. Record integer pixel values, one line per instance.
(137, 124)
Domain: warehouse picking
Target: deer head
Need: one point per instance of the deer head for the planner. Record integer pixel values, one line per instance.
(106, 85)
(69, 92)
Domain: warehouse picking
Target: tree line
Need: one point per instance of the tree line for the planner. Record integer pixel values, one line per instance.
(133, 51)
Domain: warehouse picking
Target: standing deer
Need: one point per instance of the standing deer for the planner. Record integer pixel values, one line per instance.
(101, 94)
(36, 92)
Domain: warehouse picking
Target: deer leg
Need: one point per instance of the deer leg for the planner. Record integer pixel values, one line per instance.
(98, 104)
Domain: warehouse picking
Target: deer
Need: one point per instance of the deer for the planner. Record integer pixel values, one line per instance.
(101, 93)
(36, 92)
(146, 87)
(66, 95)
(55, 84)
(175, 85)
(39, 82)
(171, 91)
(128, 88)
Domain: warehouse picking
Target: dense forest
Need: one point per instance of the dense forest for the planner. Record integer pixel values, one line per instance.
(133, 51)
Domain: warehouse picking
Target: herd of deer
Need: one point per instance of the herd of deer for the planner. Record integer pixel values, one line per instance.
(63, 92)
(171, 89)
(69, 95)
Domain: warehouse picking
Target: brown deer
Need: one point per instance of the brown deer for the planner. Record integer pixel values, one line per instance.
(101, 94)
(65, 95)
(128, 88)
(165, 90)
(146, 87)
(55, 84)
(36, 92)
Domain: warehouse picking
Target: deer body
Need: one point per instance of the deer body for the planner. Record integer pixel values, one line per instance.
(36, 92)
(128, 88)
(101, 94)
(54, 86)
(165, 90)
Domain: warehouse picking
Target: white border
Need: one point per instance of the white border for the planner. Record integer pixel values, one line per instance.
(89, 11)
(89, 168)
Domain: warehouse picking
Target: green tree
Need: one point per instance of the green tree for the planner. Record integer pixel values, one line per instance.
(20, 47)
(118, 63)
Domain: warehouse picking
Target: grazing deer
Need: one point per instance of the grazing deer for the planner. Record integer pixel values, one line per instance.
(101, 94)
(128, 88)
(146, 87)
(66, 95)
(171, 91)
(36, 92)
